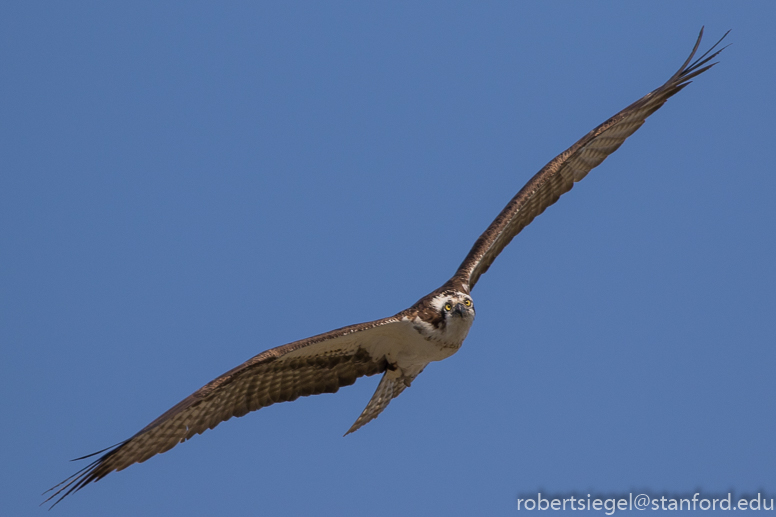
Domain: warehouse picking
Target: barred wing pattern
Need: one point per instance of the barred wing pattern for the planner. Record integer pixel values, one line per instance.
(320, 364)
(558, 177)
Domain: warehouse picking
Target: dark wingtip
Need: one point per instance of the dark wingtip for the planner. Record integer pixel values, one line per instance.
(99, 452)
(80, 479)
(707, 56)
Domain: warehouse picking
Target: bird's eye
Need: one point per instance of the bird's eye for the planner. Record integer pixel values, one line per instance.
(467, 302)
(448, 307)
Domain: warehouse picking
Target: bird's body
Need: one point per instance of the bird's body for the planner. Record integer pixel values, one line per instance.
(399, 347)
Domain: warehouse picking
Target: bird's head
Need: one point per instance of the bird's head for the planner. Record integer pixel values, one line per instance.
(452, 305)
(452, 314)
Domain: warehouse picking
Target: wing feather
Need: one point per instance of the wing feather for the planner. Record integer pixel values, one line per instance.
(320, 364)
(558, 176)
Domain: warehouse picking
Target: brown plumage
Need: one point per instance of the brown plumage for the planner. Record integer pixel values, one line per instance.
(558, 177)
(324, 363)
(268, 378)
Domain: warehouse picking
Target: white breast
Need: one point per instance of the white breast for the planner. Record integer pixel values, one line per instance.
(422, 343)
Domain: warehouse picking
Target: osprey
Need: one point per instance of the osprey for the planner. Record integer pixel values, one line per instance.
(400, 346)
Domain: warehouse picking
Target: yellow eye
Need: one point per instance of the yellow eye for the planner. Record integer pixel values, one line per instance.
(448, 307)
(468, 303)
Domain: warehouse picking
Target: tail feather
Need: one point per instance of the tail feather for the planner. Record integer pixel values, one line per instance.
(391, 385)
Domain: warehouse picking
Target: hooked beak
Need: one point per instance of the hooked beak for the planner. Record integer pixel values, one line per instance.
(459, 309)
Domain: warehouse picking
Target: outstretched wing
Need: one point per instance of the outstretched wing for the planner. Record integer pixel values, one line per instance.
(558, 176)
(320, 364)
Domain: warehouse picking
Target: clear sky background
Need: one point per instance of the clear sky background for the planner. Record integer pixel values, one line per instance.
(184, 185)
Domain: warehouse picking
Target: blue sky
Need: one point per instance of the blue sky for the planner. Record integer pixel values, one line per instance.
(184, 185)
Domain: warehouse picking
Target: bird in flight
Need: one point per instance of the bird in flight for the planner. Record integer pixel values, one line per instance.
(400, 346)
